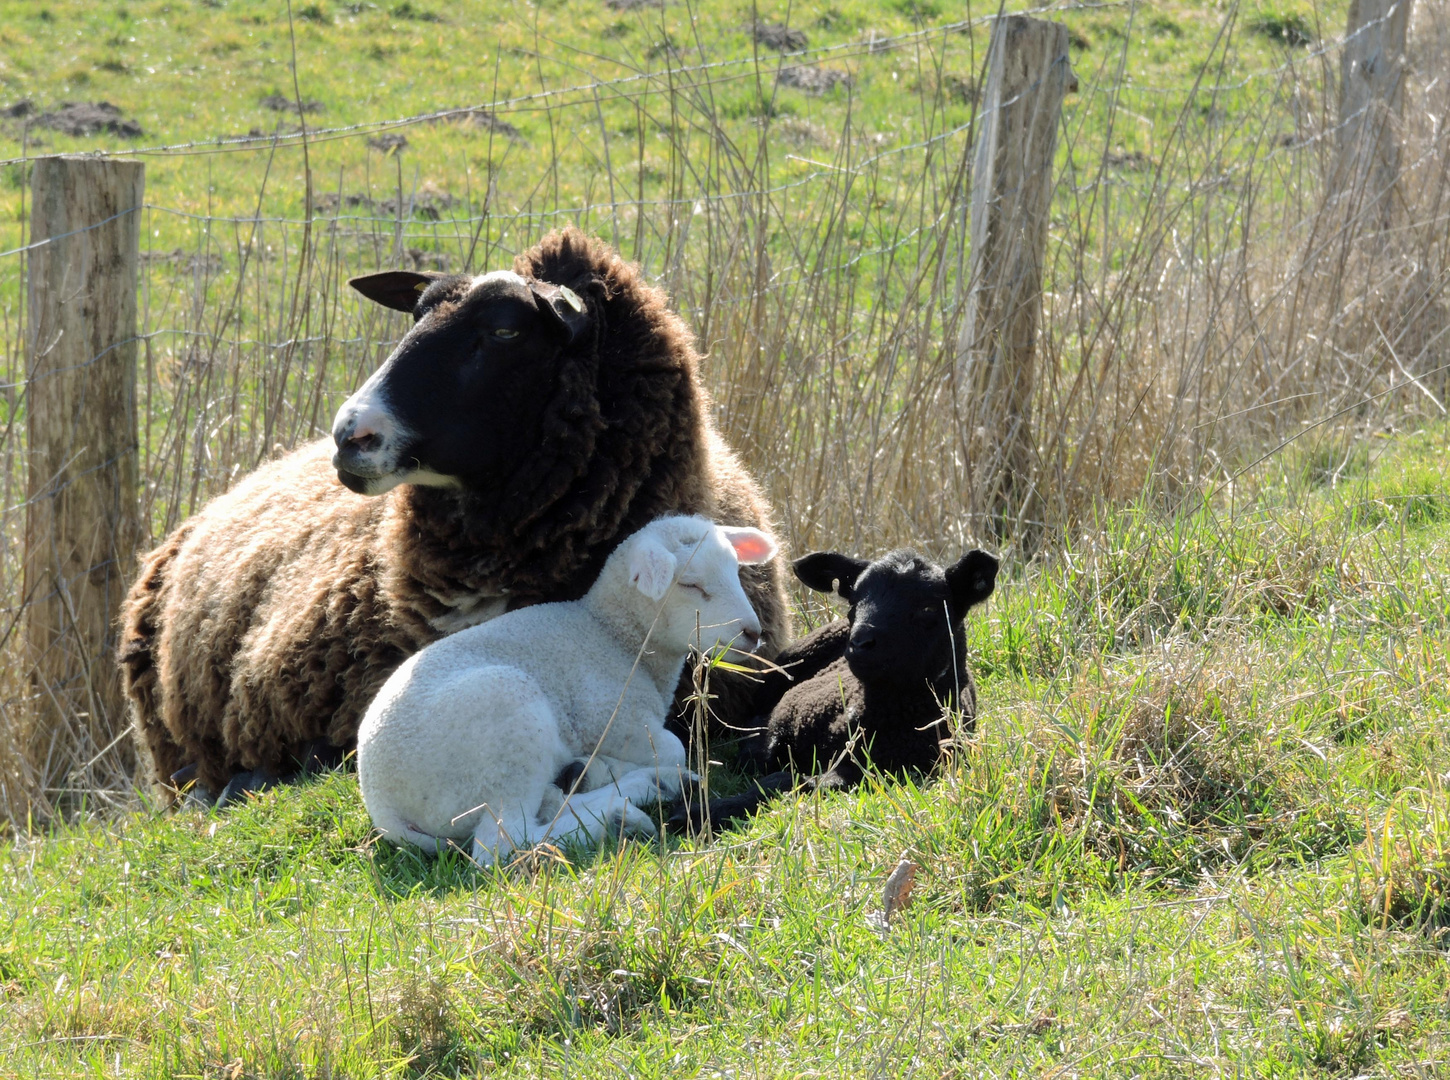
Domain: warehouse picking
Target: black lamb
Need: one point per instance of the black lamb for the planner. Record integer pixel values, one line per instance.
(871, 690)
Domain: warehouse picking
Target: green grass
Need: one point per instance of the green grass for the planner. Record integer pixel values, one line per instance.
(193, 73)
(1203, 831)
(810, 230)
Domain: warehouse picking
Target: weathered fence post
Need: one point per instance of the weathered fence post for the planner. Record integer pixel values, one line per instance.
(1371, 96)
(83, 519)
(1028, 74)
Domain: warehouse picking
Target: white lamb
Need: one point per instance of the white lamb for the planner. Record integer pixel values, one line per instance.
(468, 736)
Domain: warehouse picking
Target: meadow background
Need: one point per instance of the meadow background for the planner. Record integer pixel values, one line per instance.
(1203, 830)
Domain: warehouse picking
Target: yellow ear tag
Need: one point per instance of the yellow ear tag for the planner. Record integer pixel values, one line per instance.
(420, 286)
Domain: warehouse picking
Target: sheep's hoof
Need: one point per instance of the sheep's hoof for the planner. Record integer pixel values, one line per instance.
(753, 753)
(706, 818)
(198, 797)
(671, 783)
(694, 814)
(697, 815)
(194, 795)
(688, 817)
(317, 756)
(632, 821)
(243, 784)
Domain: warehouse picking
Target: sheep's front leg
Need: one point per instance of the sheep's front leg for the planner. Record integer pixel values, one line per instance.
(652, 784)
(497, 837)
(661, 769)
(661, 751)
(588, 773)
(697, 815)
(586, 819)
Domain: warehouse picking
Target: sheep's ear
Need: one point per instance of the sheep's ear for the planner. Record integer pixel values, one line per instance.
(564, 308)
(396, 289)
(823, 569)
(972, 579)
(752, 547)
(652, 567)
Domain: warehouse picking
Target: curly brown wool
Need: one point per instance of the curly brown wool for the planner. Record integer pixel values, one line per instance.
(266, 622)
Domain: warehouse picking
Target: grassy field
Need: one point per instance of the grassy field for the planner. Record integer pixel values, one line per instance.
(192, 75)
(813, 236)
(1203, 831)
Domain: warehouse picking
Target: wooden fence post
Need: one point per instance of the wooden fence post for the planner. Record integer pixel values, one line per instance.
(83, 521)
(1371, 97)
(1028, 75)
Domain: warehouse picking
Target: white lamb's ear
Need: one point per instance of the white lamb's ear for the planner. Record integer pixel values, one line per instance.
(652, 567)
(752, 546)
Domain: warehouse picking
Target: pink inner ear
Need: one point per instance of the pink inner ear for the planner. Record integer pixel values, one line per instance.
(751, 546)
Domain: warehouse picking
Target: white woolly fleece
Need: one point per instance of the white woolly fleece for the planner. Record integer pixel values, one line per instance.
(467, 736)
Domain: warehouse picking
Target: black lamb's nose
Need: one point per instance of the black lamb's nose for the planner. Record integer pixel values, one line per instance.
(863, 641)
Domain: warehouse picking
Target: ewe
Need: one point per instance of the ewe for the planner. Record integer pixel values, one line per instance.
(872, 689)
(529, 421)
(469, 735)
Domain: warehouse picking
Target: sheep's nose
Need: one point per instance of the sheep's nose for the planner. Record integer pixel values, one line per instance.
(358, 430)
(863, 641)
(362, 439)
(751, 638)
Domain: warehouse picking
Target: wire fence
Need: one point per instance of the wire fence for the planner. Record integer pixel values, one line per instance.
(1210, 294)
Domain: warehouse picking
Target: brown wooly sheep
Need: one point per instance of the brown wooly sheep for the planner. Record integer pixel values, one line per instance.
(528, 422)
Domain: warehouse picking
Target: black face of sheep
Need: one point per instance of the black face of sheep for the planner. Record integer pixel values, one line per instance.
(448, 407)
(906, 613)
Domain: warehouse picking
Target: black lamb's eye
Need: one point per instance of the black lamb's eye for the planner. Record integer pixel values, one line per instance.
(505, 334)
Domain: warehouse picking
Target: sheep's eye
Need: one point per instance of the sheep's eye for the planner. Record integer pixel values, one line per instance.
(697, 587)
(505, 334)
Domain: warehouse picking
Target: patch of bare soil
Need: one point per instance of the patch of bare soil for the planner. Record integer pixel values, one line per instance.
(1133, 159)
(212, 264)
(83, 119)
(779, 37)
(665, 48)
(801, 133)
(813, 79)
(390, 143)
(428, 202)
(426, 260)
(480, 118)
(278, 103)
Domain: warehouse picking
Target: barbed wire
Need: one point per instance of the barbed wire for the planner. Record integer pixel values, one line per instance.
(714, 197)
(1329, 45)
(536, 215)
(73, 232)
(515, 103)
(522, 102)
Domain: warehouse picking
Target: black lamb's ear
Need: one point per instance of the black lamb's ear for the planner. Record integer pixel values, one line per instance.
(396, 289)
(564, 307)
(821, 569)
(971, 579)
